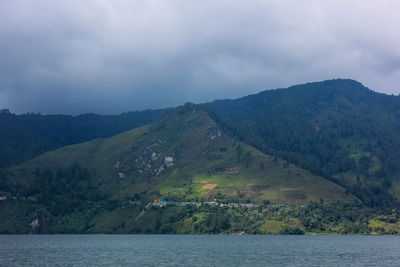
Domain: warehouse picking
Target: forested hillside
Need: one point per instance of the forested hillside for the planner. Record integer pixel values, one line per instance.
(338, 129)
(313, 158)
(23, 137)
(184, 158)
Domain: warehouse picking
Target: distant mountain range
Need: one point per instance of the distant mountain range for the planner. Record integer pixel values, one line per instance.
(326, 142)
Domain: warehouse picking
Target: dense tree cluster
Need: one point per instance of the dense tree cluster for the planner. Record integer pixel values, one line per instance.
(61, 191)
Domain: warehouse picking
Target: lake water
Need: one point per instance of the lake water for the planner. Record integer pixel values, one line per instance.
(196, 250)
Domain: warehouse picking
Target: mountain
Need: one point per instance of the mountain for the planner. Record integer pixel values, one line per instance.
(337, 129)
(184, 156)
(23, 137)
(312, 158)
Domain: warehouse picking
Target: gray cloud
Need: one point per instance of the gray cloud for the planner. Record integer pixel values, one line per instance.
(113, 56)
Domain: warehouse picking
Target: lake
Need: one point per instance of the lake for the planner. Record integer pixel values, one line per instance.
(198, 250)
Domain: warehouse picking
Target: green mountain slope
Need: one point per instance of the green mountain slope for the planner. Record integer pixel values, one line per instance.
(23, 137)
(184, 155)
(337, 129)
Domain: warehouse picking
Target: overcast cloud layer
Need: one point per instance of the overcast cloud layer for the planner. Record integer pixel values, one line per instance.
(120, 55)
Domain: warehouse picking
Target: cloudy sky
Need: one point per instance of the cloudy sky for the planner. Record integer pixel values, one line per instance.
(110, 56)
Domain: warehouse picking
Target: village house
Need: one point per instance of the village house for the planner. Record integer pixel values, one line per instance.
(162, 203)
(135, 202)
(169, 161)
(32, 198)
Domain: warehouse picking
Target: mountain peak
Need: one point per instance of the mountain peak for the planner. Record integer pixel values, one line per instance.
(338, 85)
(187, 108)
